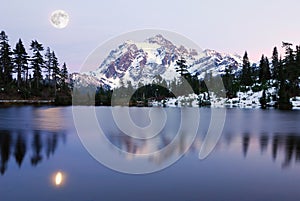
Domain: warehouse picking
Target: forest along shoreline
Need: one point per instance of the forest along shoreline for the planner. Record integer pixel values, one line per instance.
(35, 78)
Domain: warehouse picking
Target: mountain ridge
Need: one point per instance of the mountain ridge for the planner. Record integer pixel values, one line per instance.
(156, 56)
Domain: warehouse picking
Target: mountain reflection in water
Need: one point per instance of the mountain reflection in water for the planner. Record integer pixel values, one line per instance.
(33, 134)
(285, 146)
(41, 145)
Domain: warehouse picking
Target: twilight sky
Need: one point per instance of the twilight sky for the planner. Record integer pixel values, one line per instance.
(231, 26)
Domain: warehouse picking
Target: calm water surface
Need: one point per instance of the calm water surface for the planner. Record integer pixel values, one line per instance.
(257, 158)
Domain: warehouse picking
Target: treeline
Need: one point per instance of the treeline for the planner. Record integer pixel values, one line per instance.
(35, 76)
(281, 74)
(158, 90)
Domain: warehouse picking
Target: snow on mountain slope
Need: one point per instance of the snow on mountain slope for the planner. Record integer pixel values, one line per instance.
(153, 59)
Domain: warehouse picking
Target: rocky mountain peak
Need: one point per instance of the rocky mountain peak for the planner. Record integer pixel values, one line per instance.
(144, 61)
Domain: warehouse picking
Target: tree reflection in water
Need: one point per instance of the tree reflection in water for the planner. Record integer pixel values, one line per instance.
(285, 145)
(5, 143)
(15, 144)
(20, 148)
(281, 147)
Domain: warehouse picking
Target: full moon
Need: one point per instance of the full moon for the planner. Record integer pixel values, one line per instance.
(59, 19)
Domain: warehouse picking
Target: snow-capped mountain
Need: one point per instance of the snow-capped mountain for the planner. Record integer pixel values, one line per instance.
(153, 59)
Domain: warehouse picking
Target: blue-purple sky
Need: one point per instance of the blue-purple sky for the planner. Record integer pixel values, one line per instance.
(231, 26)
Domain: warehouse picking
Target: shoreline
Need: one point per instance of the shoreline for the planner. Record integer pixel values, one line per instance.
(25, 102)
(52, 102)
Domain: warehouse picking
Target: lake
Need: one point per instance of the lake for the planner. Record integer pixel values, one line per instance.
(42, 157)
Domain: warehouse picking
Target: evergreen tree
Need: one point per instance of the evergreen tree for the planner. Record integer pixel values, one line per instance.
(281, 71)
(64, 76)
(246, 74)
(6, 65)
(283, 91)
(267, 69)
(21, 62)
(297, 65)
(62, 89)
(275, 63)
(192, 80)
(298, 55)
(291, 71)
(228, 80)
(181, 67)
(284, 97)
(37, 63)
(55, 71)
(298, 58)
(48, 63)
(3, 38)
(264, 70)
(195, 84)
